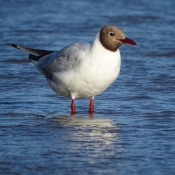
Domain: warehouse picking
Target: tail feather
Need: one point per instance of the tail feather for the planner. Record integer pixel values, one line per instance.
(35, 54)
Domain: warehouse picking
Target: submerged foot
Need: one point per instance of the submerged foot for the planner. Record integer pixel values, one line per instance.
(73, 108)
(91, 106)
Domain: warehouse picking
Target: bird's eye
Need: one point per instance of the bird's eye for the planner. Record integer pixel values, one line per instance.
(111, 34)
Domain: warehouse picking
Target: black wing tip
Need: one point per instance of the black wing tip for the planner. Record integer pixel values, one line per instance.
(14, 45)
(35, 54)
(34, 58)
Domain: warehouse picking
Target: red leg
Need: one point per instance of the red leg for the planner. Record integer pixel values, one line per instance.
(91, 106)
(73, 108)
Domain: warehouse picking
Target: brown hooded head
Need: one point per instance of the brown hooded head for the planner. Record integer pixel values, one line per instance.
(112, 37)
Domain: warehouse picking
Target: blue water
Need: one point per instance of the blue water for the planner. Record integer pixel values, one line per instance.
(133, 128)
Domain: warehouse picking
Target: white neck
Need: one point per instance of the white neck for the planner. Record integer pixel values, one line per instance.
(101, 55)
(98, 49)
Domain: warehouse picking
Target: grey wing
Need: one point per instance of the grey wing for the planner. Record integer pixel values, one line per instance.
(64, 60)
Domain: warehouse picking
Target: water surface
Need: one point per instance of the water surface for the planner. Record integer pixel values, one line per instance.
(133, 128)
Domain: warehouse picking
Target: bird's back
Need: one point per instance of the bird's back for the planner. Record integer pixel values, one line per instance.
(66, 59)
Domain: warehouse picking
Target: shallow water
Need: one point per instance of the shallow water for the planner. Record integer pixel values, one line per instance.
(133, 128)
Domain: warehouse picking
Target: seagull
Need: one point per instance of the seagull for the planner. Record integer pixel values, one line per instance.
(82, 70)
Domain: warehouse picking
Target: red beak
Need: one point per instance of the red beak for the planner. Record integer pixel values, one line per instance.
(128, 41)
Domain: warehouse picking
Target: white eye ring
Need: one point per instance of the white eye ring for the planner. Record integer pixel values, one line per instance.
(111, 34)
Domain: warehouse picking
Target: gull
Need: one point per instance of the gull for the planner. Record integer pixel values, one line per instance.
(82, 70)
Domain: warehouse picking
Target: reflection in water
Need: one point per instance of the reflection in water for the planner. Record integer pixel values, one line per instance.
(93, 130)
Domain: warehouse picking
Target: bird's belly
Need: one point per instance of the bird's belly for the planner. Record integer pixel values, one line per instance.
(81, 85)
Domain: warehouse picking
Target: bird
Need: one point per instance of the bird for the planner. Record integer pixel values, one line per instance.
(82, 70)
